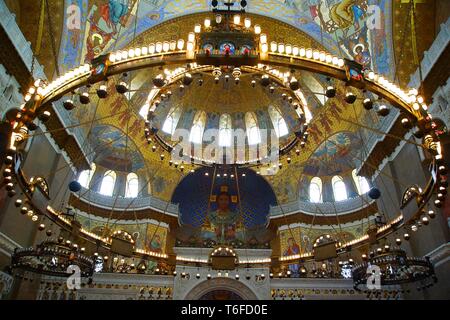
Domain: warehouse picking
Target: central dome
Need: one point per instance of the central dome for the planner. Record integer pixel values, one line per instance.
(237, 108)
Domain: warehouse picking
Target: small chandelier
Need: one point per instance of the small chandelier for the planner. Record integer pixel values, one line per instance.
(52, 258)
(393, 267)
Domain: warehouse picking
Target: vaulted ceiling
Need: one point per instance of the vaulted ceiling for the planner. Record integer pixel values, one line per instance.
(78, 30)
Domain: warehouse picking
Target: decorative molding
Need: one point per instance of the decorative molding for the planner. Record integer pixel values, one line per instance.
(431, 56)
(325, 289)
(109, 286)
(6, 282)
(193, 288)
(127, 204)
(335, 208)
(238, 287)
(440, 255)
(7, 245)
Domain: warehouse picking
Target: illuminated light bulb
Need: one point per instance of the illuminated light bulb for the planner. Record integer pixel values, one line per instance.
(137, 52)
(273, 46)
(207, 23)
(295, 51)
(247, 23)
(322, 56)
(197, 28)
(309, 53)
(191, 37)
(288, 49)
(281, 48)
(124, 55)
(316, 55)
(112, 58)
(416, 106)
(131, 53)
(173, 45)
(237, 19)
(263, 38)
(180, 44)
(166, 46)
(341, 63)
(159, 47)
(218, 18)
(302, 52)
(264, 47)
(257, 29)
(151, 48)
(424, 107)
(144, 51)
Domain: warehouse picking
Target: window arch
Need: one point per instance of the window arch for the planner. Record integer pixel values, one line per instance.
(279, 124)
(251, 123)
(339, 189)
(198, 127)
(132, 186)
(171, 122)
(315, 190)
(86, 176)
(225, 131)
(361, 183)
(108, 182)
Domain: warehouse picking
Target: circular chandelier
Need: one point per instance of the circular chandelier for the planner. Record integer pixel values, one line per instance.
(392, 267)
(53, 258)
(256, 55)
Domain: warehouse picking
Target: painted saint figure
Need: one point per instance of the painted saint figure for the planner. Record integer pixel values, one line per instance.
(155, 244)
(221, 224)
(292, 249)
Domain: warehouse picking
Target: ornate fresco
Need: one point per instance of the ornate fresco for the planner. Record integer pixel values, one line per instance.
(355, 28)
(298, 240)
(232, 210)
(148, 236)
(122, 114)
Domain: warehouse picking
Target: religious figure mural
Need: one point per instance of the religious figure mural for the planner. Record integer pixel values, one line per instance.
(219, 214)
(292, 249)
(106, 18)
(223, 224)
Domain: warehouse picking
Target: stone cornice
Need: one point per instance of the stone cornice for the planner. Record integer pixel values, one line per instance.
(440, 255)
(7, 245)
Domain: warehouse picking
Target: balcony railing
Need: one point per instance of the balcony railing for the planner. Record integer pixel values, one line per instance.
(339, 207)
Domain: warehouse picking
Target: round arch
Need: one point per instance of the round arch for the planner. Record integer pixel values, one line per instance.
(234, 286)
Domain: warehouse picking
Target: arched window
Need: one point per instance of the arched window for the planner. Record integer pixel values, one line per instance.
(108, 182)
(361, 183)
(315, 190)
(146, 107)
(251, 123)
(170, 125)
(339, 189)
(86, 176)
(132, 187)
(198, 127)
(225, 131)
(279, 124)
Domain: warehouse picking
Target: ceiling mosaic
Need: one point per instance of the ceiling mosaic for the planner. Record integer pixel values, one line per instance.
(329, 116)
(354, 28)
